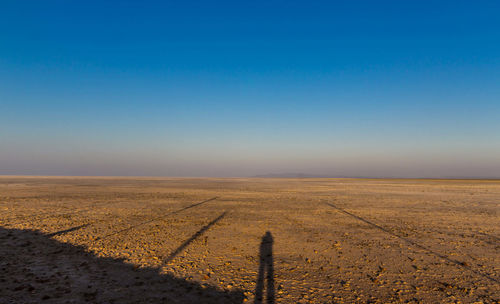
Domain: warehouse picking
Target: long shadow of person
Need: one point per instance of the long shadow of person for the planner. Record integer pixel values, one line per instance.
(266, 271)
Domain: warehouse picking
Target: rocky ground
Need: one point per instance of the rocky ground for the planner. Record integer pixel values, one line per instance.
(159, 240)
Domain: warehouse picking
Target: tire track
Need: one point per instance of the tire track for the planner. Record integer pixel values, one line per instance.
(153, 220)
(53, 214)
(428, 250)
(196, 235)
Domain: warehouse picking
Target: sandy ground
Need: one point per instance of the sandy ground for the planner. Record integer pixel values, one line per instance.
(152, 240)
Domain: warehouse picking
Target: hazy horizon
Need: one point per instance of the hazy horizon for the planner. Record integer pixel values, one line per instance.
(364, 89)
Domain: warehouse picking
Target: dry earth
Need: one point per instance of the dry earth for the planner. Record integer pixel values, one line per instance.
(158, 240)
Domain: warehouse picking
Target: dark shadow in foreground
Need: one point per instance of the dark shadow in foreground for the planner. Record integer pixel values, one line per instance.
(266, 271)
(35, 268)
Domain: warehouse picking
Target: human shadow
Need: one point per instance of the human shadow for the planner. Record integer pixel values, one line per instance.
(266, 271)
(35, 268)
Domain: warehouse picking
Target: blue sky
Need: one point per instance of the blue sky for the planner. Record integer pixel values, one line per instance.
(353, 88)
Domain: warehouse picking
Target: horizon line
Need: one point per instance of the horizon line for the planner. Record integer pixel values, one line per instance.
(244, 177)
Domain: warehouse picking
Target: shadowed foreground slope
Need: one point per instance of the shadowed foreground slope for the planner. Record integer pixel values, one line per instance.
(35, 268)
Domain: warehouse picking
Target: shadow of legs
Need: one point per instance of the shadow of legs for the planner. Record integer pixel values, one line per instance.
(266, 270)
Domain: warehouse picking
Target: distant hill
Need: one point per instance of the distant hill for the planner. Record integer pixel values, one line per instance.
(305, 175)
(291, 175)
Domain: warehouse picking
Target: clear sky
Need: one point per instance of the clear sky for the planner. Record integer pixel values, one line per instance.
(240, 88)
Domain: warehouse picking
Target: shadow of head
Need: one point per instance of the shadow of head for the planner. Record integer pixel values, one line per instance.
(35, 267)
(267, 238)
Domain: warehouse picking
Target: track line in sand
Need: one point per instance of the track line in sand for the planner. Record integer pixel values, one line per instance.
(90, 223)
(196, 235)
(53, 214)
(153, 219)
(428, 250)
(60, 232)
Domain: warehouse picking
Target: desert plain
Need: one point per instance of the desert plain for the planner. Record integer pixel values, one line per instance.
(255, 240)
